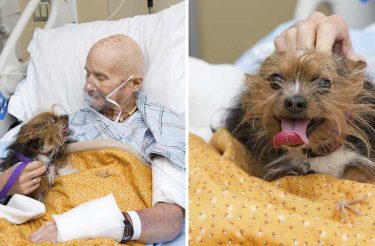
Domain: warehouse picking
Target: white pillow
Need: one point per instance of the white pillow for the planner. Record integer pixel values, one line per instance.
(213, 89)
(55, 74)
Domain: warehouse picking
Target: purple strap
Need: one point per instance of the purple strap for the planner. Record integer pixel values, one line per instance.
(16, 173)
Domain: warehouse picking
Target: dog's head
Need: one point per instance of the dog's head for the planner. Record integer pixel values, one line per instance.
(46, 133)
(309, 100)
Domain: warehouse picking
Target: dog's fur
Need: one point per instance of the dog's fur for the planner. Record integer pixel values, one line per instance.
(42, 138)
(342, 116)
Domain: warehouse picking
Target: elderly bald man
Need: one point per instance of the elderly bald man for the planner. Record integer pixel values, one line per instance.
(114, 68)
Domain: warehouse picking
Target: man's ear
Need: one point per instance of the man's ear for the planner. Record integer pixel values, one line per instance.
(137, 84)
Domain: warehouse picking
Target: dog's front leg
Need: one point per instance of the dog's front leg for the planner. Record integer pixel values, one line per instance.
(360, 170)
(286, 167)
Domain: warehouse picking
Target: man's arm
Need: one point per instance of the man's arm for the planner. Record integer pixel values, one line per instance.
(164, 221)
(161, 223)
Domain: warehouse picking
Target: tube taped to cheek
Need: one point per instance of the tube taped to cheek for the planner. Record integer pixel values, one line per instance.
(100, 217)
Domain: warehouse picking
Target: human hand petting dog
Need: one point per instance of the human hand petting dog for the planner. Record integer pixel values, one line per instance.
(327, 34)
(28, 181)
(47, 232)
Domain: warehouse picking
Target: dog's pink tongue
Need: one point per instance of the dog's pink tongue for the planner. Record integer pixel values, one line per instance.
(293, 132)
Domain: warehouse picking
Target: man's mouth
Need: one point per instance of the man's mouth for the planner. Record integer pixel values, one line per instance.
(295, 132)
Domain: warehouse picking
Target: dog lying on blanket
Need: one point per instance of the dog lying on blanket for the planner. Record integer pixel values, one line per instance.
(42, 138)
(305, 113)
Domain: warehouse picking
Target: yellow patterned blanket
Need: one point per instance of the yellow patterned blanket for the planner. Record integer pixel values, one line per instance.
(101, 172)
(228, 206)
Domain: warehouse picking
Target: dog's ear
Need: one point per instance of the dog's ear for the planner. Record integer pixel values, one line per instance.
(27, 133)
(356, 66)
(250, 77)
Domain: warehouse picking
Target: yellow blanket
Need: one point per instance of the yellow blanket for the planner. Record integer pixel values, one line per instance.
(100, 173)
(228, 206)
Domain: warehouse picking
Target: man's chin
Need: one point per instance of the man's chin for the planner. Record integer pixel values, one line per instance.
(98, 107)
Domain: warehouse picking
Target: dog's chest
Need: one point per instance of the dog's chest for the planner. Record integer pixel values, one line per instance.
(333, 164)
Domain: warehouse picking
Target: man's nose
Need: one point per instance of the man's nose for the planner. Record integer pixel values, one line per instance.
(89, 85)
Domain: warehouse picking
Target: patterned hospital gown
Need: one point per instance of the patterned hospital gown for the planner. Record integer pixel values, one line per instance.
(152, 130)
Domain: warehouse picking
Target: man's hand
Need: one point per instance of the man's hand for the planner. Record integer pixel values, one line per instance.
(328, 34)
(28, 181)
(47, 232)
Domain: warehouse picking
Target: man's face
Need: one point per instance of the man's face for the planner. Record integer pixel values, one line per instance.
(103, 75)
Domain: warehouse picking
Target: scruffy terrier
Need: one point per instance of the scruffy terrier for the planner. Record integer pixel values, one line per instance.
(306, 113)
(42, 138)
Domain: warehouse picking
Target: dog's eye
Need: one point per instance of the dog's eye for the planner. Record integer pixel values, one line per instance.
(324, 83)
(275, 80)
(54, 120)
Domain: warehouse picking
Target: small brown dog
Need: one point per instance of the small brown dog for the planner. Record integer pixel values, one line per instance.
(42, 138)
(307, 113)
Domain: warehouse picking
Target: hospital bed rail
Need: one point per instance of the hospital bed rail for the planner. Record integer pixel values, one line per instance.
(12, 70)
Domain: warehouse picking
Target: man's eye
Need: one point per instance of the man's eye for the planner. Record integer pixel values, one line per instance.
(275, 80)
(101, 77)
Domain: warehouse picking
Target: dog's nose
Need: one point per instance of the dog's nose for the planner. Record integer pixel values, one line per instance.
(64, 117)
(295, 104)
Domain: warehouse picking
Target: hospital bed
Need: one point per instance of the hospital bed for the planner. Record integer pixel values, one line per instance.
(12, 71)
(55, 73)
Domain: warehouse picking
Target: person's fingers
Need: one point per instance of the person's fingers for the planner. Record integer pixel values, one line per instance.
(34, 173)
(318, 32)
(37, 234)
(301, 35)
(48, 232)
(33, 188)
(33, 182)
(306, 35)
(279, 43)
(42, 237)
(33, 165)
(28, 188)
(286, 40)
(332, 30)
(290, 37)
(41, 230)
(316, 18)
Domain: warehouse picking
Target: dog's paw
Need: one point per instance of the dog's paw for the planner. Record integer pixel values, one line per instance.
(66, 170)
(280, 172)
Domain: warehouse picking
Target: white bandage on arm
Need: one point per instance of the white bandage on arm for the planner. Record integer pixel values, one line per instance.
(168, 182)
(97, 218)
(21, 208)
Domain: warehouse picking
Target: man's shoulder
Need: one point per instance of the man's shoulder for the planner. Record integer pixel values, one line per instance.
(84, 110)
(80, 115)
(143, 101)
